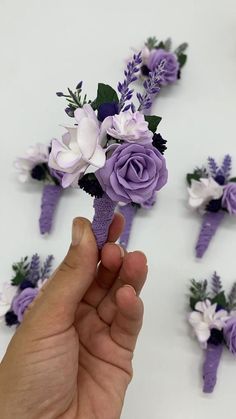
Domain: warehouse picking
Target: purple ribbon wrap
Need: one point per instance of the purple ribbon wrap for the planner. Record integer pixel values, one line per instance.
(210, 366)
(104, 209)
(128, 211)
(50, 198)
(210, 223)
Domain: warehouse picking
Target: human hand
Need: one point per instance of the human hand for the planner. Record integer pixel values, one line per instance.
(71, 357)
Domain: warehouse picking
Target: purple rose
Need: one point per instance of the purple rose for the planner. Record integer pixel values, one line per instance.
(22, 301)
(171, 67)
(230, 334)
(133, 173)
(229, 198)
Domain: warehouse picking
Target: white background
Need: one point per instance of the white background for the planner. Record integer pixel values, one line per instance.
(46, 46)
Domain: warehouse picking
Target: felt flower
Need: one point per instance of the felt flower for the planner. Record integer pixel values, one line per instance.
(229, 198)
(133, 173)
(21, 301)
(6, 296)
(131, 127)
(80, 147)
(170, 74)
(34, 155)
(203, 191)
(230, 334)
(206, 318)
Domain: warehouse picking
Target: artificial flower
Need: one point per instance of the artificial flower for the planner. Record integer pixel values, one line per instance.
(130, 127)
(80, 147)
(203, 191)
(34, 155)
(229, 198)
(6, 296)
(22, 301)
(170, 74)
(205, 318)
(133, 173)
(230, 334)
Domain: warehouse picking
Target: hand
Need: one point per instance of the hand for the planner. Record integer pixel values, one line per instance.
(71, 357)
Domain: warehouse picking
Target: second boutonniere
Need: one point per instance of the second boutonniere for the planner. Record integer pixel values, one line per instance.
(212, 192)
(110, 151)
(213, 318)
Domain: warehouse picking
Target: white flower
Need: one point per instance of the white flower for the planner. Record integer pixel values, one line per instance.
(203, 191)
(206, 318)
(80, 147)
(6, 297)
(131, 127)
(34, 155)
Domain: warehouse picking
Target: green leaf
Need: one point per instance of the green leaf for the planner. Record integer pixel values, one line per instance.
(18, 279)
(191, 176)
(105, 94)
(233, 179)
(220, 300)
(153, 122)
(181, 48)
(161, 45)
(182, 58)
(193, 301)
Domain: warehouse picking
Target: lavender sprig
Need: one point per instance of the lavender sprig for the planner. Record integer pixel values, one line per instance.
(46, 269)
(226, 166)
(232, 298)
(151, 86)
(130, 72)
(216, 284)
(212, 166)
(34, 269)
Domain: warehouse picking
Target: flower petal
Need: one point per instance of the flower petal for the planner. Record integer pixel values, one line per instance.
(87, 136)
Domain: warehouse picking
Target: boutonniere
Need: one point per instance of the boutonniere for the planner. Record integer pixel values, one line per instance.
(214, 323)
(212, 192)
(28, 277)
(110, 151)
(155, 52)
(33, 167)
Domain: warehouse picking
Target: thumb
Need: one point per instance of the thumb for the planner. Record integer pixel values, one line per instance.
(55, 307)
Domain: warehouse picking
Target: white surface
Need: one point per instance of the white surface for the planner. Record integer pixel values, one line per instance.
(49, 45)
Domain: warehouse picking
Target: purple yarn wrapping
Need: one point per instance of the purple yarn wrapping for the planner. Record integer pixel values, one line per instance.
(212, 360)
(104, 209)
(128, 211)
(50, 198)
(211, 221)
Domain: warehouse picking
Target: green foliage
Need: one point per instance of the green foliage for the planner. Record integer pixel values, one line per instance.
(232, 298)
(153, 122)
(182, 58)
(151, 42)
(167, 44)
(198, 292)
(105, 94)
(233, 179)
(191, 176)
(181, 48)
(220, 300)
(20, 271)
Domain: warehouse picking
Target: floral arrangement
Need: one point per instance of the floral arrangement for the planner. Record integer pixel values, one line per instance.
(214, 323)
(111, 151)
(156, 52)
(212, 192)
(18, 294)
(156, 56)
(33, 166)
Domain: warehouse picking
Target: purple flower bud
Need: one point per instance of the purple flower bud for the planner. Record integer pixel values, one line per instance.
(21, 302)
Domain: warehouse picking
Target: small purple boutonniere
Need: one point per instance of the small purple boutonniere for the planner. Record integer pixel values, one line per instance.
(111, 151)
(214, 323)
(34, 166)
(19, 293)
(212, 191)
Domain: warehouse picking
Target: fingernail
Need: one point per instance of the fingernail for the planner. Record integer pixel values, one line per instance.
(122, 252)
(77, 232)
(132, 288)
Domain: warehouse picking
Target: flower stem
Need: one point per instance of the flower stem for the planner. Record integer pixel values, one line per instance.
(50, 198)
(211, 221)
(104, 209)
(128, 211)
(212, 360)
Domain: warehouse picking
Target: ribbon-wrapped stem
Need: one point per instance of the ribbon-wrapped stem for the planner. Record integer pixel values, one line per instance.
(210, 223)
(128, 211)
(50, 198)
(212, 360)
(104, 209)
